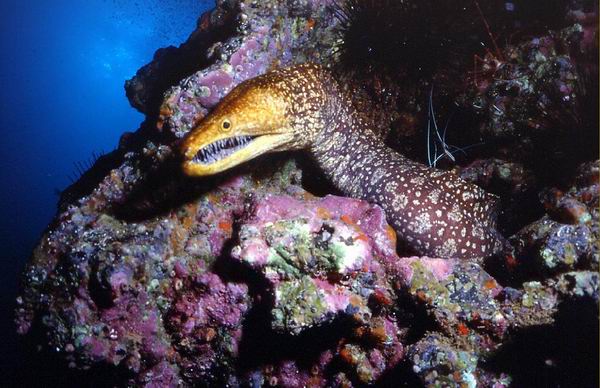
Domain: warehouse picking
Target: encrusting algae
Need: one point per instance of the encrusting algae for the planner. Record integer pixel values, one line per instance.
(150, 278)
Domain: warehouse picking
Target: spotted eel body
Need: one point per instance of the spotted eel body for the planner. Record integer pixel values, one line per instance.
(433, 212)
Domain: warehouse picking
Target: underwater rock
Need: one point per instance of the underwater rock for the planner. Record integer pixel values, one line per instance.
(141, 294)
(532, 304)
(319, 257)
(551, 247)
(476, 318)
(578, 284)
(498, 176)
(325, 260)
(247, 279)
(269, 34)
(460, 296)
(566, 237)
(534, 98)
(533, 86)
(170, 64)
(160, 299)
(439, 363)
(464, 301)
(206, 325)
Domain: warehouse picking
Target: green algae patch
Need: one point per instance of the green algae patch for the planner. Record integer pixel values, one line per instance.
(295, 251)
(299, 304)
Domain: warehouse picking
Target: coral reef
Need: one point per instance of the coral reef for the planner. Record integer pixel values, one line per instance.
(150, 278)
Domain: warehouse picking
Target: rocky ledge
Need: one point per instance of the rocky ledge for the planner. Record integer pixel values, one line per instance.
(149, 278)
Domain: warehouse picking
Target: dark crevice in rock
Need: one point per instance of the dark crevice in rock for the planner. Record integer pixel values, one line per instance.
(164, 188)
(42, 367)
(400, 376)
(261, 345)
(313, 179)
(554, 356)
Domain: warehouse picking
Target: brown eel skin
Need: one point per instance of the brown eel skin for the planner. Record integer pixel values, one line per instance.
(434, 212)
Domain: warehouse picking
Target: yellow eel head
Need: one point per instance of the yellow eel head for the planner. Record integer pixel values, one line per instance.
(250, 121)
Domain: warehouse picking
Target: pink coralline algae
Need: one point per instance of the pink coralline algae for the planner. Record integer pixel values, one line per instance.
(140, 295)
(315, 255)
(207, 320)
(324, 262)
(150, 278)
(280, 38)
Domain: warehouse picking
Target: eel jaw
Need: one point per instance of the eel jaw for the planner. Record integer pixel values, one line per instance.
(227, 152)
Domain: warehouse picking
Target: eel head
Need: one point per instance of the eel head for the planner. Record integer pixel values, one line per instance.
(250, 121)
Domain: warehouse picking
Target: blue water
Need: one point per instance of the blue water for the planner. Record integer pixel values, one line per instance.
(63, 64)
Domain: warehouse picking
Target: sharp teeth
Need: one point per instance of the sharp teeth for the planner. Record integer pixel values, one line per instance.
(220, 149)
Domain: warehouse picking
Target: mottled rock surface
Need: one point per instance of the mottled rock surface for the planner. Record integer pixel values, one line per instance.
(149, 278)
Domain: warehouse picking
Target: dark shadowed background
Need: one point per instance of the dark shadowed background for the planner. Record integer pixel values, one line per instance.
(63, 64)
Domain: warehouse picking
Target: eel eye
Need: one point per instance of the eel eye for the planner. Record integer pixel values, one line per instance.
(226, 124)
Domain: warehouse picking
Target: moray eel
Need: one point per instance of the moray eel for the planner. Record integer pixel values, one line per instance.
(433, 212)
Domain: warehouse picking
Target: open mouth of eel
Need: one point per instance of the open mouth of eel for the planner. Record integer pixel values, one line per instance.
(221, 149)
(223, 154)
